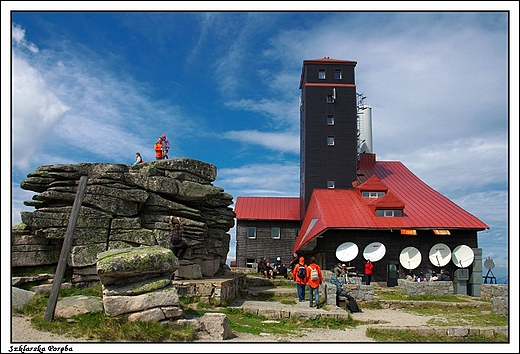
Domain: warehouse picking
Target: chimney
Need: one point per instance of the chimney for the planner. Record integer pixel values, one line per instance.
(367, 159)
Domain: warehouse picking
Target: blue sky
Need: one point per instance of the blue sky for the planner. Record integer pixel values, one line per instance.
(224, 88)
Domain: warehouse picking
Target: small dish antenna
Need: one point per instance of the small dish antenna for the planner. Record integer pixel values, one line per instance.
(410, 257)
(462, 256)
(440, 255)
(347, 251)
(489, 264)
(374, 251)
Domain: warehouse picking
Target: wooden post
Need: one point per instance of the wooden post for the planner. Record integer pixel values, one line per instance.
(65, 250)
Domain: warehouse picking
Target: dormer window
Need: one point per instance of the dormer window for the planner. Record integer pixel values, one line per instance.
(389, 212)
(367, 194)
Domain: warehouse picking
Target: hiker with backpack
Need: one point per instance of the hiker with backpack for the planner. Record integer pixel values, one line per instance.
(314, 280)
(178, 244)
(301, 276)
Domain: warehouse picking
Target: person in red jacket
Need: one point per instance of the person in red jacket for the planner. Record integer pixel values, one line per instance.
(314, 281)
(369, 267)
(301, 279)
(158, 149)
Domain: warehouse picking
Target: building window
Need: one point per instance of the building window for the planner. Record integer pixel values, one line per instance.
(372, 194)
(275, 232)
(331, 184)
(330, 141)
(330, 99)
(249, 262)
(251, 232)
(337, 74)
(321, 74)
(330, 119)
(389, 213)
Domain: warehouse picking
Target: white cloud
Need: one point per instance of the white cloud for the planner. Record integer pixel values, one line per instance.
(18, 37)
(280, 113)
(36, 110)
(261, 179)
(458, 165)
(284, 142)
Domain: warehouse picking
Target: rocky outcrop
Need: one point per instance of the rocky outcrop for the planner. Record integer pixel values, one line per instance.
(137, 282)
(125, 206)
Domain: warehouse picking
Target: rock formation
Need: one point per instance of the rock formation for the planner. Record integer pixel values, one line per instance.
(125, 206)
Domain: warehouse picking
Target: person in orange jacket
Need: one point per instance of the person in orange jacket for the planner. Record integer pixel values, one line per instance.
(158, 149)
(301, 279)
(314, 281)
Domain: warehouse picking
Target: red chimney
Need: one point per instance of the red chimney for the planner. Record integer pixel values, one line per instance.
(367, 159)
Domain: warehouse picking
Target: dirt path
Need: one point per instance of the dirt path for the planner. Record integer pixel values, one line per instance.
(23, 332)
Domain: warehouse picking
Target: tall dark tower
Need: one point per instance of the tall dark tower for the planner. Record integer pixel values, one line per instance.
(328, 127)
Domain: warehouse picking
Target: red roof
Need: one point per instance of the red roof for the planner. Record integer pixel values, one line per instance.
(267, 208)
(424, 208)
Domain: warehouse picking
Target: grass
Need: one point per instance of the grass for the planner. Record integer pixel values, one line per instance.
(100, 327)
(447, 311)
(242, 321)
(409, 336)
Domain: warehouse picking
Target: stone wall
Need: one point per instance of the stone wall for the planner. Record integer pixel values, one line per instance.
(499, 293)
(218, 291)
(436, 288)
(124, 206)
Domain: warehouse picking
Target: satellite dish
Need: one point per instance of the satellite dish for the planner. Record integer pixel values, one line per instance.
(410, 257)
(489, 264)
(374, 251)
(347, 251)
(462, 256)
(440, 255)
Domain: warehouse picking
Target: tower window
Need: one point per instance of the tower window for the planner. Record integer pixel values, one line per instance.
(330, 99)
(321, 74)
(330, 119)
(330, 141)
(331, 184)
(251, 232)
(337, 74)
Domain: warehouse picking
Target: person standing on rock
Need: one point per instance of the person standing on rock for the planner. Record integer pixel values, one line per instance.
(165, 146)
(315, 278)
(158, 149)
(301, 278)
(179, 245)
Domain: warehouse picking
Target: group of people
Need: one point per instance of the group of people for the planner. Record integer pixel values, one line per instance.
(443, 276)
(310, 275)
(161, 147)
(271, 270)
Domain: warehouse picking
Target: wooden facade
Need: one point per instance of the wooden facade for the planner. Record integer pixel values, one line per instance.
(251, 250)
(394, 242)
(325, 95)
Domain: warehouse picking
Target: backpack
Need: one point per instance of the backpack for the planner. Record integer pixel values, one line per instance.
(314, 274)
(302, 272)
(176, 236)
